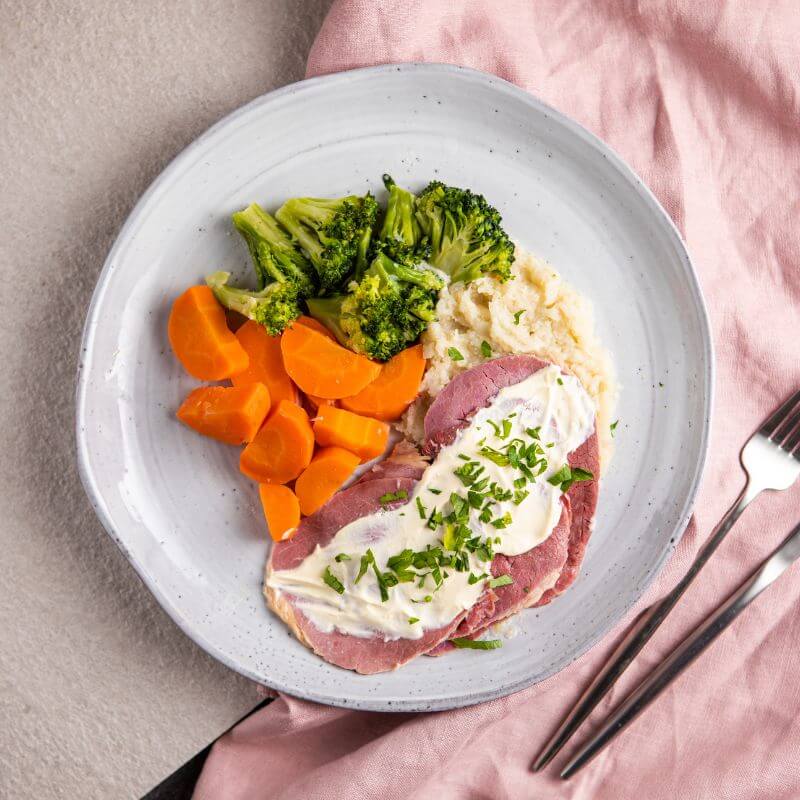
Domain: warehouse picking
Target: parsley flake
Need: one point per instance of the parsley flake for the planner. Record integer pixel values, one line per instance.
(455, 354)
(476, 644)
(331, 580)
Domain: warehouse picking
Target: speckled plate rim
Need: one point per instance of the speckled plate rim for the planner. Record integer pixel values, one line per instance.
(181, 161)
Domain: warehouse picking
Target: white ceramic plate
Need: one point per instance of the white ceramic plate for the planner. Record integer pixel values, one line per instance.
(175, 502)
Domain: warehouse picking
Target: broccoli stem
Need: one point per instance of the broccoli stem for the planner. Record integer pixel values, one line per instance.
(328, 310)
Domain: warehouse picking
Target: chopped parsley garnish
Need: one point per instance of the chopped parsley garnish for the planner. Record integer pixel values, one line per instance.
(391, 497)
(485, 515)
(495, 456)
(613, 427)
(502, 522)
(534, 432)
(412, 620)
(469, 472)
(517, 315)
(559, 382)
(426, 599)
(476, 644)
(486, 349)
(455, 354)
(367, 559)
(567, 475)
(520, 495)
(342, 557)
(434, 491)
(473, 579)
(500, 580)
(423, 512)
(331, 580)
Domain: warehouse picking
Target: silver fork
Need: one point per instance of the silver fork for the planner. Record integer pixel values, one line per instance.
(771, 461)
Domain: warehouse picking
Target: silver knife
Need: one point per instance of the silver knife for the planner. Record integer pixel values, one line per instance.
(688, 650)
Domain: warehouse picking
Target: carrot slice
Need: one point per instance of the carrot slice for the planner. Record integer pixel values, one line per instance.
(390, 394)
(283, 447)
(319, 481)
(200, 337)
(364, 436)
(281, 510)
(320, 366)
(315, 325)
(232, 414)
(266, 363)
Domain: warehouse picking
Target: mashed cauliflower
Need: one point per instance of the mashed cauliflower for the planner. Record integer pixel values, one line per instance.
(557, 325)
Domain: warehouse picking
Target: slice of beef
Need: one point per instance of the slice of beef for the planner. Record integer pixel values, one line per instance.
(469, 392)
(405, 461)
(364, 655)
(564, 548)
(583, 503)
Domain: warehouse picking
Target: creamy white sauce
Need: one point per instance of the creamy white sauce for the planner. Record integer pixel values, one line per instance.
(555, 403)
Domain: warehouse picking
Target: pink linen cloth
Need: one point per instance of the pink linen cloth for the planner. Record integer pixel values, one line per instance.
(703, 100)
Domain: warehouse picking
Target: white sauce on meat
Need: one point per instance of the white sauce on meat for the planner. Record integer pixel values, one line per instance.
(555, 403)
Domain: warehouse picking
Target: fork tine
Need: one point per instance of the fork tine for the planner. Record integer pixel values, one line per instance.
(792, 442)
(783, 431)
(776, 418)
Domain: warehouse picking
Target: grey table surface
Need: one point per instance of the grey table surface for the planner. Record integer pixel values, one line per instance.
(100, 694)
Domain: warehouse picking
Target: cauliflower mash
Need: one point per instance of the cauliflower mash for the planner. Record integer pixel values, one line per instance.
(536, 313)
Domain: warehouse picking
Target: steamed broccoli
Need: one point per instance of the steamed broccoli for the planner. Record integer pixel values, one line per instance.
(335, 234)
(385, 311)
(465, 234)
(275, 307)
(275, 255)
(401, 237)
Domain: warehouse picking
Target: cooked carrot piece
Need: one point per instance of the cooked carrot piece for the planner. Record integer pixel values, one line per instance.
(200, 337)
(283, 447)
(319, 481)
(281, 510)
(390, 394)
(232, 414)
(364, 436)
(320, 366)
(315, 325)
(266, 363)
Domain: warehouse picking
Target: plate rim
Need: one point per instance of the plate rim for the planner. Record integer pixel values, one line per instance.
(82, 391)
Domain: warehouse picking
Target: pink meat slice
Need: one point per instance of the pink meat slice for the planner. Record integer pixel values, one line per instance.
(471, 391)
(563, 550)
(364, 655)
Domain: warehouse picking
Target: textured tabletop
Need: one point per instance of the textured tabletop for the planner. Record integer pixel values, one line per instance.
(100, 694)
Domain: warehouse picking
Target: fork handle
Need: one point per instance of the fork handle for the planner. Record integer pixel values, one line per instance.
(644, 628)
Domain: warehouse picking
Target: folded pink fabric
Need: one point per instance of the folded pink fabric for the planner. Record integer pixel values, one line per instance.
(703, 100)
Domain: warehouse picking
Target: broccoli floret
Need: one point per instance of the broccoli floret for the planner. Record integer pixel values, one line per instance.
(275, 307)
(401, 236)
(465, 234)
(275, 256)
(334, 234)
(385, 311)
